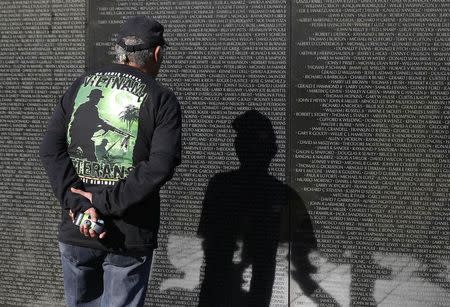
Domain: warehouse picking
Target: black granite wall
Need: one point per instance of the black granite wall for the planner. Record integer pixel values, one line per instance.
(315, 149)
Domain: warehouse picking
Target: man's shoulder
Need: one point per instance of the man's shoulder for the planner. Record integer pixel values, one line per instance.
(162, 95)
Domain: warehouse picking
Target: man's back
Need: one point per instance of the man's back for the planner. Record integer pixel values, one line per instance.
(129, 106)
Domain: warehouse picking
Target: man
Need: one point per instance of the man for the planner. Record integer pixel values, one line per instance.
(142, 121)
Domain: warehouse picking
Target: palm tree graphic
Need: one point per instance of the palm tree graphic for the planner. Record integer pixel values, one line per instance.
(129, 115)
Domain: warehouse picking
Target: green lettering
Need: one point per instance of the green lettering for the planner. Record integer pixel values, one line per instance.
(96, 169)
(76, 163)
(89, 80)
(119, 171)
(86, 167)
(102, 81)
(139, 90)
(106, 171)
(117, 83)
(126, 85)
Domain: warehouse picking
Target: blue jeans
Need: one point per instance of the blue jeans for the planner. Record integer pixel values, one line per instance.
(97, 278)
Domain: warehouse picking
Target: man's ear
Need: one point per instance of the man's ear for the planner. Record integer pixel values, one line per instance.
(157, 54)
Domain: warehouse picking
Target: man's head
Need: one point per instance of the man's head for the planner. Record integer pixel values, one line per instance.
(140, 44)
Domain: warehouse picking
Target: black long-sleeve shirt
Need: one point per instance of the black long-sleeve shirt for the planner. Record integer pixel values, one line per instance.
(129, 148)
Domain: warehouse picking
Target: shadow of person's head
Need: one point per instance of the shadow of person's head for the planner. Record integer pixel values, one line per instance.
(255, 141)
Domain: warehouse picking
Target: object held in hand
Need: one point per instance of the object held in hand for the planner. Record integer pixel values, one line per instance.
(84, 218)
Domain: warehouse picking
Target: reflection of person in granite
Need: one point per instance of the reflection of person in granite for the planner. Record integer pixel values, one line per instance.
(248, 205)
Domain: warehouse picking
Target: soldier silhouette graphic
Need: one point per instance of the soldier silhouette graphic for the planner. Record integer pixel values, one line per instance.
(86, 121)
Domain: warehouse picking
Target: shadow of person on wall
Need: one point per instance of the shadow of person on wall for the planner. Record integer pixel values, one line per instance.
(302, 243)
(245, 207)
(242, 205)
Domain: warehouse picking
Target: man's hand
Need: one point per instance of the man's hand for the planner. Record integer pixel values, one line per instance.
(88, 195)
(84, 229)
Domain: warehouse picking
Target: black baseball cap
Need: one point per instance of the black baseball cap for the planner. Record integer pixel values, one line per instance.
(145, 28)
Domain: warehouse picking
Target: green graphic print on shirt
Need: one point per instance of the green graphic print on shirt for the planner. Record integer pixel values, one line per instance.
(103, 127)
